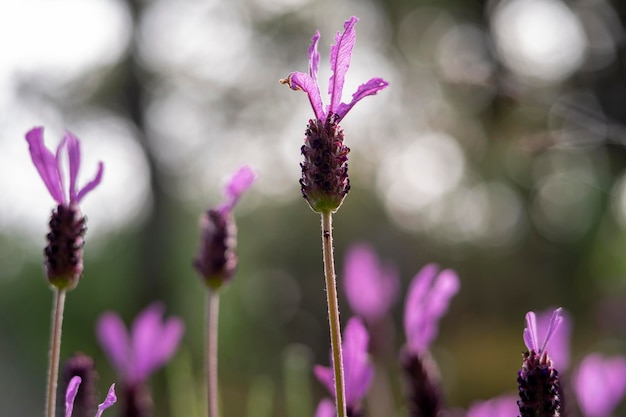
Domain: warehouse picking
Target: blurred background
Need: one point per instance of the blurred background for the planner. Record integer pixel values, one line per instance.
(497, 150)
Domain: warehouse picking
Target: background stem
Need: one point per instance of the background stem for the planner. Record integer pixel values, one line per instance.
(213, 306)
(55, 351)
(333, 312)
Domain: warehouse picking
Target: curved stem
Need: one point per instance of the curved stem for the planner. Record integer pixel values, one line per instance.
(55, 351)
(333, 312)
(212, 309)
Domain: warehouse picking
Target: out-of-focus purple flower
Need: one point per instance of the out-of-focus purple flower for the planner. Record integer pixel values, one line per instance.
(216, 261)
(340, 56)
(326, 408)
(72, 391)
(151, 343)
(538, 380)
(358, 371)
(600, 384)
(50, 167)
(371, 287)
(324, 181)
(560, 339)
(503, 406)
(64, 252)
(427, 301)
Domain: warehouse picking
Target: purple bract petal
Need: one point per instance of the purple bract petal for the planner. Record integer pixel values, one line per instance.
(91, 184)
(371, 288)
(304, 82)
(115, 341)
(326, 408)
(238, 184)
(559, 342)
(314, 56)
(73, 152)
(427, 301)
(70, 395)
(504, 406)
(531, 334)
(46, 164)
(340, 55)
(370, 88)
(108, 401)
(600, 384)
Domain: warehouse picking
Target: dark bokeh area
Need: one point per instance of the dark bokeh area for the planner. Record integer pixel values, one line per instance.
(497, 150)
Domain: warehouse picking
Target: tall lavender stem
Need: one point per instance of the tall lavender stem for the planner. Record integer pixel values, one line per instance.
(212, 308)
(55, 350)
(333, 312)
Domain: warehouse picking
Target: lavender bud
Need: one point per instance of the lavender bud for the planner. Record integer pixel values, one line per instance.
(423, 385)
(64, 253)
(539, 388)
(83, 366)
(217, 260)
(324, 181)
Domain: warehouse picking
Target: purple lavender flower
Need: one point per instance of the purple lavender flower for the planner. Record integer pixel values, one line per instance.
(64, 253)
(427, 301)
(324, 179)
(600, 384)
(371, 288)
(358, 370)
(560, 339)
(503, 406)
(326, 408)
(217, 260)
(72, 390)
(151, 343)
(538, 380)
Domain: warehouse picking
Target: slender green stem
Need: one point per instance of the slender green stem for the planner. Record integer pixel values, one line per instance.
(55, 351)
(212, 309)
(333, 312)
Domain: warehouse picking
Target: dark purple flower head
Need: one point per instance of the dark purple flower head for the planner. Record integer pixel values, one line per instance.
(371, 287)
(324, 182)
(216, 261)
(151, 343)
(427, 301)
(72, 391)
(340, 56)
(50, 167)
(600, 384)
(358, 371)
(538, 380)
(64, 253)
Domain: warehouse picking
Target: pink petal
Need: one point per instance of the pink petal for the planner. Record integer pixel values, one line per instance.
(326, 408)
(108, 401)
(306, 83)
(325, 376)
(340, 55)
(91, 184)
(146, 332)
(600, 384)
(530, 332)
(45, 163)
(169, 339)
(314, 56)
(238, 184)
(73, 151)
(114, 339)
(414, 306)
(370, 88)
(70, 395)
(358, 372)
(560, 340)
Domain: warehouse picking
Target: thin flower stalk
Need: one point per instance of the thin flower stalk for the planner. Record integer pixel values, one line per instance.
(212, 319)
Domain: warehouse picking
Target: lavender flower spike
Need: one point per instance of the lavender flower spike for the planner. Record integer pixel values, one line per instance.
(64, 253)
(357, 367)
(428, 297)
(600, 384)
(371, 288)
(72, 391)
(324, 178)
(151, 343)
(538, 380)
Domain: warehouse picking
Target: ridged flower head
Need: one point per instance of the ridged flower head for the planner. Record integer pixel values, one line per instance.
(538, 380)
(216, 261)
(600, 384)
(151, 343)
(324, 179)
(358, 370)
(72, 391)
(371, 287)
(64, 253)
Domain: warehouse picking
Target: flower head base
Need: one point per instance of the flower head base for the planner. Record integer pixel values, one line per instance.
(325, 170)
(72, 391)
(217, 258)
(64, 254)
(150, 345)
(423, 385)
(600, 384)
(357, 367)
(538, 380)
